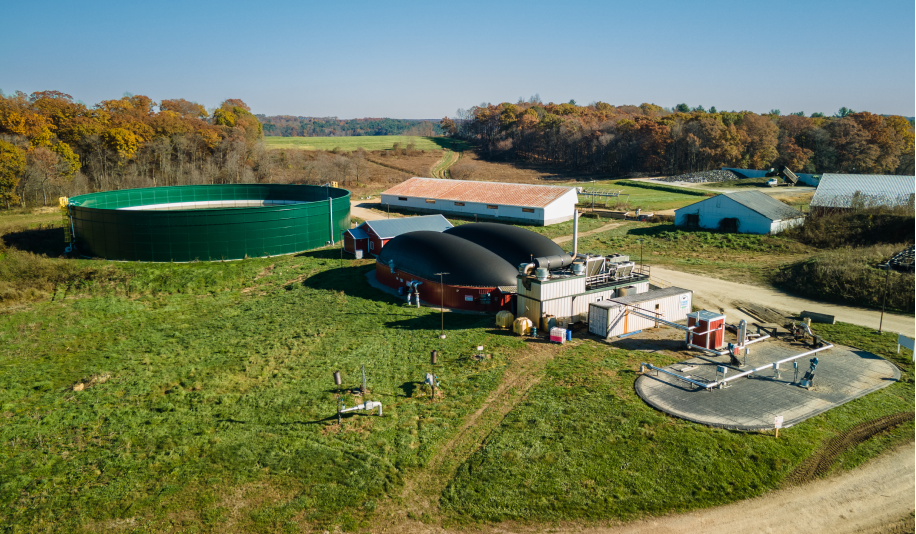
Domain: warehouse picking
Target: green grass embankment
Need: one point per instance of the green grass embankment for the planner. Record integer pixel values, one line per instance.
(207, 398)
(742, 257)
(585, 446)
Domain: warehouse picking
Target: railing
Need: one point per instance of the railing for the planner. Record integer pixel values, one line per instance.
(607, 279)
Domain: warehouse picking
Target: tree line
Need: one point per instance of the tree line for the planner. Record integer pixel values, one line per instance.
(648, 138)
(51, 145)
(290, 126)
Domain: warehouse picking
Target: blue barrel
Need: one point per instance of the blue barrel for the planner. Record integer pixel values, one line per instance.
(569, 335)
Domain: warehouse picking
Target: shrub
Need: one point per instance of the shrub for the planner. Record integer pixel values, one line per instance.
(848, 275)
(856, 228)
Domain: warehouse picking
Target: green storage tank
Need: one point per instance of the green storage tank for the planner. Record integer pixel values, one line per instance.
(207, 222)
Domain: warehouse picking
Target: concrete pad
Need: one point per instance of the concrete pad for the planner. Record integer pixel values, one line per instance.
(752, 403)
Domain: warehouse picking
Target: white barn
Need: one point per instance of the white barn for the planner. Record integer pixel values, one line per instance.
(539, 205)
(747, 212)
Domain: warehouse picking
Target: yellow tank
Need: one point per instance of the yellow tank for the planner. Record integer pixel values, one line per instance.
(522, 326)
(504, 319)
(548, 322)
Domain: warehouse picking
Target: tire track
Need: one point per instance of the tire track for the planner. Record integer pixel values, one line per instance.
(819, 463)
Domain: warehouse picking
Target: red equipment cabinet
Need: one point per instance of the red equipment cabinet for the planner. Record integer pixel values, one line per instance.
(710, 329)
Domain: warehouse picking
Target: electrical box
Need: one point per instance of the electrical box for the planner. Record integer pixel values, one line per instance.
(710, 329)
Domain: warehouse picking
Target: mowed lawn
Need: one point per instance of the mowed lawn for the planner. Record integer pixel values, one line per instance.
(367, 142)
(639, 197)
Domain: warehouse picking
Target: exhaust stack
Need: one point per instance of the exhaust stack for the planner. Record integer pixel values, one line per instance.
(575, 250)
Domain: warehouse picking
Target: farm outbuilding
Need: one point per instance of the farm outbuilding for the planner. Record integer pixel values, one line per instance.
(371, 236)
(842, 192)
(747, 212)
(504, 202)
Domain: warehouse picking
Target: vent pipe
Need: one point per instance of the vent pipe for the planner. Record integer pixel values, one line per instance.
(575, 232)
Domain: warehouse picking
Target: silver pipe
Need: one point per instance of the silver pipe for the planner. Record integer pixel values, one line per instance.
(684, 378)
(718, 383)
(746, 343)
(770, 365)
(575, 250)
(331, 214)
(807, 329)
(717, 352)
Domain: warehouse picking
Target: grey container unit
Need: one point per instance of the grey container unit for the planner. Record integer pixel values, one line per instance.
(609, 318)
(566, 298)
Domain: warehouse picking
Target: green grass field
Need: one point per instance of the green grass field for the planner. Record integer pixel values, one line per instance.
(377, 142)
(583, 445)
(199, 397)
(741, 257)
(640, 197)
(212, 383)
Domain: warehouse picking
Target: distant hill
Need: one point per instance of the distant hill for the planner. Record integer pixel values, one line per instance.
(290, 126)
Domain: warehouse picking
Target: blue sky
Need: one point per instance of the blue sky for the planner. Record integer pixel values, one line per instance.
(426, 59)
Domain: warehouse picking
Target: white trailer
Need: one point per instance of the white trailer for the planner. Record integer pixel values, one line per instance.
(611, 318)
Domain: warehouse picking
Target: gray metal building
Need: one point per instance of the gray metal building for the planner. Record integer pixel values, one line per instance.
(747, 212)
(856, 191)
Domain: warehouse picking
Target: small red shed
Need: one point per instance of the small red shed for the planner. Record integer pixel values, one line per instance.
(356, 239)
(710, 329)
(371, 236)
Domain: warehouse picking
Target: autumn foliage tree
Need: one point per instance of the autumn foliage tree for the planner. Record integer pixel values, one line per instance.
(52, 144)
(647, 138)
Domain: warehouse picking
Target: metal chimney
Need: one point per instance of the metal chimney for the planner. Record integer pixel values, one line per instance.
(575, 251)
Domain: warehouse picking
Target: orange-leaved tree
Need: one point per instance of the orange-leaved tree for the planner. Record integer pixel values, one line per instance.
(12, 165)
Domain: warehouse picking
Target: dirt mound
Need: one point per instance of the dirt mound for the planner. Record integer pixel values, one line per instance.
(702, 177)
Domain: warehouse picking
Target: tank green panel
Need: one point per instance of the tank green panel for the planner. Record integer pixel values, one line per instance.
(104, 229)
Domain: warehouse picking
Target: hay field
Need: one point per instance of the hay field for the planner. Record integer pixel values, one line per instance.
(367, 142)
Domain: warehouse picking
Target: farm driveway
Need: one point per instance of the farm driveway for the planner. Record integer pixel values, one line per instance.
(605, 228)
(364, 210)
(714, 294)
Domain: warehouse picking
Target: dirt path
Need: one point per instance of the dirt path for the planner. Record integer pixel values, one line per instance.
(716, 294)
(567, 238)
(422, 491)
(365, 210)
(449, 159)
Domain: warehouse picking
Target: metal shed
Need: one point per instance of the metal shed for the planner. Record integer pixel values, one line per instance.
(611, 318)
(376, 234)
(747, 212)
(856, 191)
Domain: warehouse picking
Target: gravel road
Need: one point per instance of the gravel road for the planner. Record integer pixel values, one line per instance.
(714, 294)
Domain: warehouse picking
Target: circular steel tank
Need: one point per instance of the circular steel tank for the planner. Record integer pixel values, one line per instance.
(207, 222)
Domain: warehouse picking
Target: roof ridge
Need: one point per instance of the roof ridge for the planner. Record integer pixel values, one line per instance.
(487, 182)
